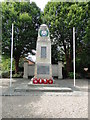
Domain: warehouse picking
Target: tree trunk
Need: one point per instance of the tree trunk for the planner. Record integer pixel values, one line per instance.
(16, 64)
(68, 63)
(68, 56)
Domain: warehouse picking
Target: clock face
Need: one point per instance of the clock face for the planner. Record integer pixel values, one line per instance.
(43, 33)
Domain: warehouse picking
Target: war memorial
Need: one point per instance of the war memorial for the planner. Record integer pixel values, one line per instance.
(43, 70)
(43, 56)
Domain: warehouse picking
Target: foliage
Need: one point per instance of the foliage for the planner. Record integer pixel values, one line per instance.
(26, 19)
(71, 75)
(5, 74)
(61, 17)
(5, 66)
(6, 62)
(17, 75)
(21, 62)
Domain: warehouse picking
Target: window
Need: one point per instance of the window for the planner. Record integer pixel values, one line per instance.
(43, 52)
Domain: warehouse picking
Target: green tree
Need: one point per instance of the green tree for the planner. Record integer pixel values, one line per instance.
(61, 17)
(26, 18)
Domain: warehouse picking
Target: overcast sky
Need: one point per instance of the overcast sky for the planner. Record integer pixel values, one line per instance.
(41, 3)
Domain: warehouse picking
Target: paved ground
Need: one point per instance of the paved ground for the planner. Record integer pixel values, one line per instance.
(45, 104)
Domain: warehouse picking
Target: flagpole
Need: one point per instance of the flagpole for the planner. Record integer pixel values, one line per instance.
(11, 57)
(74, 54)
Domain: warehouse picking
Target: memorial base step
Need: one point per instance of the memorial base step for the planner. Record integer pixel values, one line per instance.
(43, 89)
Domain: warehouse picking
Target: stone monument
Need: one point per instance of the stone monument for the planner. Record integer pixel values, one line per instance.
(43, 67)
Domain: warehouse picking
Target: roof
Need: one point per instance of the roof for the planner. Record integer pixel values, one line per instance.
(32, 58)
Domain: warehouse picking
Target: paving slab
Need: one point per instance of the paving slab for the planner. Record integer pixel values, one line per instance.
(42, 85)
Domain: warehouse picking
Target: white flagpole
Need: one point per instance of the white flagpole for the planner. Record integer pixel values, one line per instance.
(11, 57)
(74, 53)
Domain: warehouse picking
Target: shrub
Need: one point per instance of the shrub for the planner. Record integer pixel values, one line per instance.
(18, 75)
(71, 75)
(6, 63)
(5, 74)
(78, 76)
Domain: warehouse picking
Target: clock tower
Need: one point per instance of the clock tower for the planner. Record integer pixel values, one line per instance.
(43, 68)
